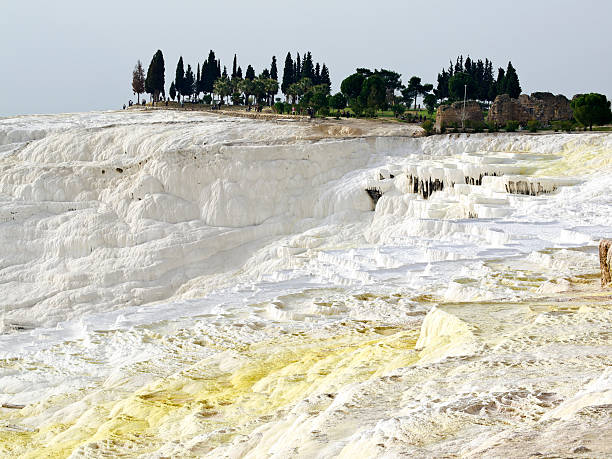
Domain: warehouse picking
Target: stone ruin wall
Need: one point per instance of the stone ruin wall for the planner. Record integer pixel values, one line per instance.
(450, 115)
(541, 106)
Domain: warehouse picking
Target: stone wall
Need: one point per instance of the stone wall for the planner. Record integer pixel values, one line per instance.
(450, 115)
(541, 106)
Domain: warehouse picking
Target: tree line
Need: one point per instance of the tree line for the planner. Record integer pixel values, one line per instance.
(307, 85)
(301, 78)
(477, 77)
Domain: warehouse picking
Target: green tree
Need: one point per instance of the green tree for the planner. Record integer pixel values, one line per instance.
(308, 67)
(351, 86)
(500, 84)
(189, 83)
(138, 80)
(592, 108)
(247, 87)
(235, 68)
(274, 70)
(288, 77)
(373, 93)
(430, 103)
(457, 86)
(325, 78)
(271, 88)
(415, 89)
(179, 78)
(512, 85)
(338, 101)
(172, 90)
(250, 73)
(398, 109)
(155, 81)
(223, 87)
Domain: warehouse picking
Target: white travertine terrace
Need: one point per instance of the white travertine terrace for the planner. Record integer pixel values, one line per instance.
(184, 285)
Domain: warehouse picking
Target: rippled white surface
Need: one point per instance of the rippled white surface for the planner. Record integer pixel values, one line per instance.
(178, 284)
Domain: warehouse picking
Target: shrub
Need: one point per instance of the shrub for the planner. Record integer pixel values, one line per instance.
(428, 126)
(492, 127)
(207, 99)
(533, 125)
(279, 107)
(398, 109)
(324, 111)
(512, 126)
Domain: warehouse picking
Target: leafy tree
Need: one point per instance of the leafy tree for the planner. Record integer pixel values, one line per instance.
(398, 109)
(338, 101)
(592, 108)
(172, 90)
(314, 96)
(273, 69)
(155, 80)
(138, 80)
(250, 73)
(179, 78)
(414, 89)
(373, 93)
(457, 86)
(288, 75)
(223, 87)
(247, 87)
(430, 103)
(351, 86)
(512, 85)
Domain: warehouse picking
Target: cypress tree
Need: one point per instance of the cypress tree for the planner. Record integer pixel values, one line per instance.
(218, 74)
(298, 68)
(179, 77)
(235, 68)
(189, 82)
(325, 77)
(500, 84)
(250, 73)
(288, 75)
(307, 67)
(172, 90)
(317, 74)
(224, 74)
(273, 69)
(239, 73)
(138, 80)
(198, 82)
(155, 81)
(489, 81)
(512, 85)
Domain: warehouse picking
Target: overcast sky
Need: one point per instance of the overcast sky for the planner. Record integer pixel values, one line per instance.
(77, 55)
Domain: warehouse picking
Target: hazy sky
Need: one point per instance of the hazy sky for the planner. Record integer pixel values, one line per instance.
(78, 55)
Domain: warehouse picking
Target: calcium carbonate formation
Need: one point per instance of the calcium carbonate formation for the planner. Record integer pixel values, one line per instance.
(185, 285)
